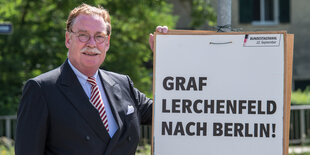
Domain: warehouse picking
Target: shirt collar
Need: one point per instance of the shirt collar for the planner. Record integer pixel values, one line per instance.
(80, 75)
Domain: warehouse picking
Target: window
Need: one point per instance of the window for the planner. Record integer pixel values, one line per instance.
(264, 12)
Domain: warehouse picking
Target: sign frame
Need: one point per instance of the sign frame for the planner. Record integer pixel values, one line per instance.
(288, 62)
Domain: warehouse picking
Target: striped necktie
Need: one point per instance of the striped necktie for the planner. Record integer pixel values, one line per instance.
(96, 100)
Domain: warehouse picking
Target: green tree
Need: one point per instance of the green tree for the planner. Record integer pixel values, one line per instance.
(37, 43)
(34, 47)
(202, 13)
(301, 97)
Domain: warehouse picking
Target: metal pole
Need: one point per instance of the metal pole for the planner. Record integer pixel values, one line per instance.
(8, 127)
(224, 15)
(302, 126)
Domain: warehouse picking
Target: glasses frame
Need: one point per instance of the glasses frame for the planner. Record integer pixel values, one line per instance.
(79, 35)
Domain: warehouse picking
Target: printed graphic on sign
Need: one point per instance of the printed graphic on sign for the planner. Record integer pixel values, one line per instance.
(261, 40)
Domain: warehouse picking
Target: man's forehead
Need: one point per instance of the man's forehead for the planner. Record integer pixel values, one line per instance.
(86, 31)
(85, 23)
(89, 16)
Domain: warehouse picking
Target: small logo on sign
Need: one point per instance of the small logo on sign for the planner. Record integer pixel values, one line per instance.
(261, 40)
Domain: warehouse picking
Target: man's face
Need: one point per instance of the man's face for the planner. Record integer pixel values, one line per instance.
(81, 54)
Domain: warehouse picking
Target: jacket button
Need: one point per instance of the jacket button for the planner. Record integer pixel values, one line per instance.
(129, 138)
(87, 138)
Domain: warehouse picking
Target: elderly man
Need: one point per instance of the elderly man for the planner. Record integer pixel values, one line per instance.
(78, 108)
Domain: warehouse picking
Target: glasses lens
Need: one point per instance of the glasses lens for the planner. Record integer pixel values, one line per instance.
(100, 38)
(83, 37)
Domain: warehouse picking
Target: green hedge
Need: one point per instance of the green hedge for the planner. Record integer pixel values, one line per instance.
(301, 97)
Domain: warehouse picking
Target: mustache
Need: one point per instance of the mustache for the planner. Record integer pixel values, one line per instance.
(90, 50)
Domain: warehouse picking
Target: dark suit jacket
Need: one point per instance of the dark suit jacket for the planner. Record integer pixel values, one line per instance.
(56, 117)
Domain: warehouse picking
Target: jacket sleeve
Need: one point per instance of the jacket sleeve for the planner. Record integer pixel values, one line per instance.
(31, 131)
(143, 104)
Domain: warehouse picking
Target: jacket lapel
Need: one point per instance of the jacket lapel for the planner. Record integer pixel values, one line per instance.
(113, 92)
(71, 87)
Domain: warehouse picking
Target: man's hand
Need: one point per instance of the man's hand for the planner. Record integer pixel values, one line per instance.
(162, 29)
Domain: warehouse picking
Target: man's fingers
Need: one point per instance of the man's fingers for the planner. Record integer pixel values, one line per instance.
(159, 29)
(162, 29)
(165, 29)
(151, 41)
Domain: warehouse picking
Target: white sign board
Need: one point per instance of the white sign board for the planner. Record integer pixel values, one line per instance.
(218, 94)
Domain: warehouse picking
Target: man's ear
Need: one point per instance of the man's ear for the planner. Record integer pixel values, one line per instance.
(107, 44)
(68, 39)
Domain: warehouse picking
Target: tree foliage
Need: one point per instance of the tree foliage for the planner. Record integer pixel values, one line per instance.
(37, 42)
(202, 12)
(301, 97)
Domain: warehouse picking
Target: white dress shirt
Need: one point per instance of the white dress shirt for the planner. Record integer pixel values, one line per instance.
(87, 89)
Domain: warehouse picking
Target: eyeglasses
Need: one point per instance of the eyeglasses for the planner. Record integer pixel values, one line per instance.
(85, 37)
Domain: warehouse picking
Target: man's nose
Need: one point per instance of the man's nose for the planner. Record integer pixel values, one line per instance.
(91, 42)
